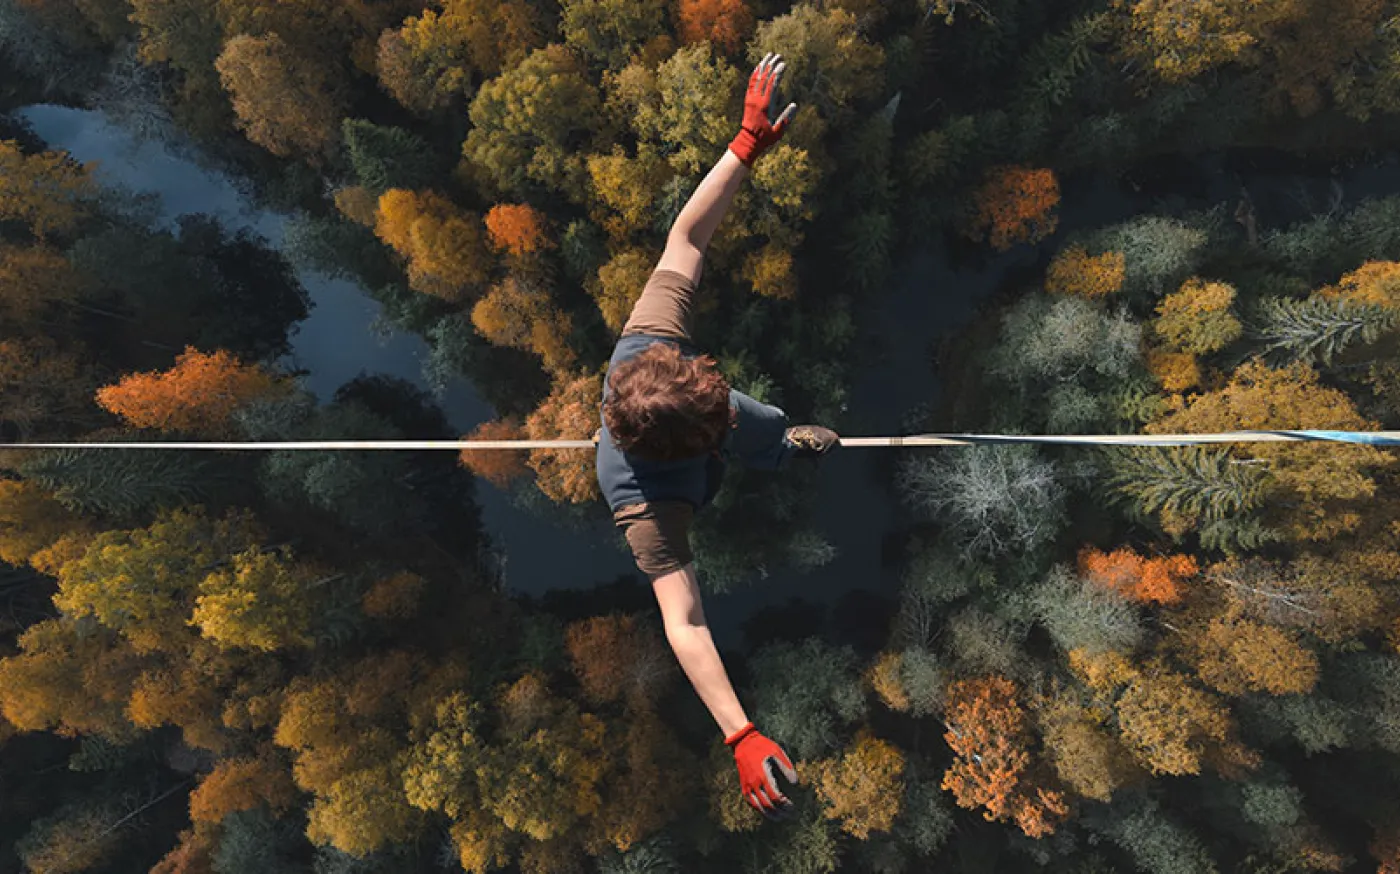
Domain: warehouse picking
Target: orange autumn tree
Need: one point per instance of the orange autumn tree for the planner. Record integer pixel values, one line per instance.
(498, 467)
(619, 658)
(569, 413)
(518, 229)
(242, 784)
(1145, 580)
(1376, 283)
(988, 732)
(444, 246)
(1237, 655)
(725, 24)
(1015, 205)
(518, 314)
(199, 395)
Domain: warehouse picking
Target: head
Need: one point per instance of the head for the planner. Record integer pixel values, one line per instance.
(665, 407)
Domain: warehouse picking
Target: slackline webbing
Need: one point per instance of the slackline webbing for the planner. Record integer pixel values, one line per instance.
(1365, 438)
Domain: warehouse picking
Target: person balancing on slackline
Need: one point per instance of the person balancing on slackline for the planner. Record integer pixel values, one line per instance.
(671, 421)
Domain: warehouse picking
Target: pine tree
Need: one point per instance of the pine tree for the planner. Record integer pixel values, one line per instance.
(1192, 487)
(121, 483)
(1319, 328)
(387, 157)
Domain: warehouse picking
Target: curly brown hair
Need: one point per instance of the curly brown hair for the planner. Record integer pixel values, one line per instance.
(663, 406)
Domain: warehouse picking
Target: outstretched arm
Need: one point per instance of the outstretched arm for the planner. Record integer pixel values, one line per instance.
(696, 225)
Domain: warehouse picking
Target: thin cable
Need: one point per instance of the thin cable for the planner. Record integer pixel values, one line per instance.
(1366, 438)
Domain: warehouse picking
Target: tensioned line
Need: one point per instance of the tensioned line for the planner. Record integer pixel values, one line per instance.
(1368, 438)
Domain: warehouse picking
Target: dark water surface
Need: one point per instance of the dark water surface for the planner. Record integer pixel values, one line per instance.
(933, 297)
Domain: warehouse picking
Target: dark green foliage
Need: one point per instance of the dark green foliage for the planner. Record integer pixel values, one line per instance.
(122, 483)
(1318, 328)
(807, 694)
(1155, 841)
(388, 157)
(1210, 486)
(652, 856)
(252, 840)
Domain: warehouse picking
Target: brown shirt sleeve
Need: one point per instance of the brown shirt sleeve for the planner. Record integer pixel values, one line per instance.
(659, 534)
(665, 307)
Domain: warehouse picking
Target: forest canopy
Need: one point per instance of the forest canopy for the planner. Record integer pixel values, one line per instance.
(1094, 661)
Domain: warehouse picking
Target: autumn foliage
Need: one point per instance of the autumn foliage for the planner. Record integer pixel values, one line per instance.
(499, 467)
(569, 413)
(1160, 580)
(725, 23)
(1075, 271)
(862, 789)
(1015, 205)
(989, 734)
(199, 395)
(518, 229)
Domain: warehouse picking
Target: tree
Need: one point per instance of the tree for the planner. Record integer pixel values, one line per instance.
(192, 855)
(908, 681)
(69, 679)
(772, 271)
(285, 102)
(1158, 253)
(514, 313)
(1145, 580)
(1194, 488)
(831, 67)
(1197, 319)
(1085, 757)
(687, 108)
(120, 484)
(1175, 371)
(428, 63)
(616, 657)
(47, 193)
(198, 396)
(566, 476)
(609, 31)
(32, 521)
(725, 24)
(1184, 39)
(625, 190)
(42, 386)
(528, 125)
(1261, 398)
(75, 838)
(262, 602)
(242, 784)
(806, 694)
(518, 230)
(996, 500)
(1155, 841)
(1319, 328)
(863, 788)
(32, 280)
(1015, 205)
(1376, 283)
(500, 468)
(1236, 655)
(1083, 616)
(620, 284)
(1075, 271)
(987, 731)
(387, 157)
(1047, 340)
(1171, 726)
(444, 246)
(140, 582)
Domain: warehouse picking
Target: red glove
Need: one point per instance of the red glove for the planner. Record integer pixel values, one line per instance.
(756, 757)
(759, 131)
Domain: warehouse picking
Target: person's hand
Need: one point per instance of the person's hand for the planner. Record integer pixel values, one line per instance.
(757, 758)
(760, 130)
(811, 441)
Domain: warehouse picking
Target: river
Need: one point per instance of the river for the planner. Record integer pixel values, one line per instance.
(932, 296)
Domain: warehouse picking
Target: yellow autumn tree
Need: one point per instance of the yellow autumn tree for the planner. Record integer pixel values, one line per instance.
(199, 395)
(620, 284)
(517, 314)
(569, 413)
(1237, 655)
(287, 103)
(48, 192)
(862, 788)
(1321, 479)
(445, 247)
(1198, 318)
(242, 784)
(1075, 271)
(34, 278)
(771, 271)
(1376, 283)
